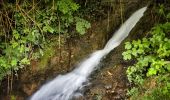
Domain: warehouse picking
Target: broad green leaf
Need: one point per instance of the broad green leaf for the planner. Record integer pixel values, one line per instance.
(14, 62)
(82, 25)
(128, 45)
(25, 61)
(151, 72)
(134, 52)
(126, 56)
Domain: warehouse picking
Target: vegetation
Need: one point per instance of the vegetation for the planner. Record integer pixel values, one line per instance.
(26, 27)
(152, 60)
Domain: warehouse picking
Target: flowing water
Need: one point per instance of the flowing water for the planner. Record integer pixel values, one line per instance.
(65, 87)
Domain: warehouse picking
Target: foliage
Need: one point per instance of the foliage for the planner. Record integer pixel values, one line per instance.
(27, 27)
(133, 92)
(81, 25)
(156, 94)
(159, 92)
(93, 10)
(151, 54)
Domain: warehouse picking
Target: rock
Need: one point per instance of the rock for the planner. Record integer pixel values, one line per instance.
(108, 86)
(29, 88)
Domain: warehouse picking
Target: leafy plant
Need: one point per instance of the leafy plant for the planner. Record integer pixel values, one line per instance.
(81, 25)
(29, 25)
(151, 54)
(133, 92)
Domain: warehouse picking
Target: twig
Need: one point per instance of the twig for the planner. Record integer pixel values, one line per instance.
(32, 20)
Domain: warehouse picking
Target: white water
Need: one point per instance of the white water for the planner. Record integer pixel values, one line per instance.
(64, 87)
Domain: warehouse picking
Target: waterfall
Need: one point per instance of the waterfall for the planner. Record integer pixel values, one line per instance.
(64, 87)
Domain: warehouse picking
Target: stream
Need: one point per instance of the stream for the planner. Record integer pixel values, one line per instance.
(66, 87)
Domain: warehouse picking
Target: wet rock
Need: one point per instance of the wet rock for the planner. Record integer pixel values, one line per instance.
(29, 88)
(108, 86)
(78, 96)
(117, 98)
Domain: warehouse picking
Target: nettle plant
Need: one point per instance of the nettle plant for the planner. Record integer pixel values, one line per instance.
(26, 27)
(151, 54)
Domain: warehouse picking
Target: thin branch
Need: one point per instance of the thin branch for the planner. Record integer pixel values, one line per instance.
(32, 20)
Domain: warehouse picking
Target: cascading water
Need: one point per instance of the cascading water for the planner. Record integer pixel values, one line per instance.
(64, 87)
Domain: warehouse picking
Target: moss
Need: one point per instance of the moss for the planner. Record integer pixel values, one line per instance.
(13, 97)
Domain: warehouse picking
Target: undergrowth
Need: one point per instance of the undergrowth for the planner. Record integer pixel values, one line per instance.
(25, 28)
(151, 55)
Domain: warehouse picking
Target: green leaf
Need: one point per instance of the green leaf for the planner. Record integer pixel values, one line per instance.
(26, 31)
(67, 6)
(21, 48)
(127, 55)
(82, 25)
(41, 52)
(25, 61)
(128, 45)
(48, 28)
(134, 52)
(151, 72)
(167, 67)
(15, 34)
(168, 15)
(140, 51)
(14, 62)
(3, 62)
(14, 44)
